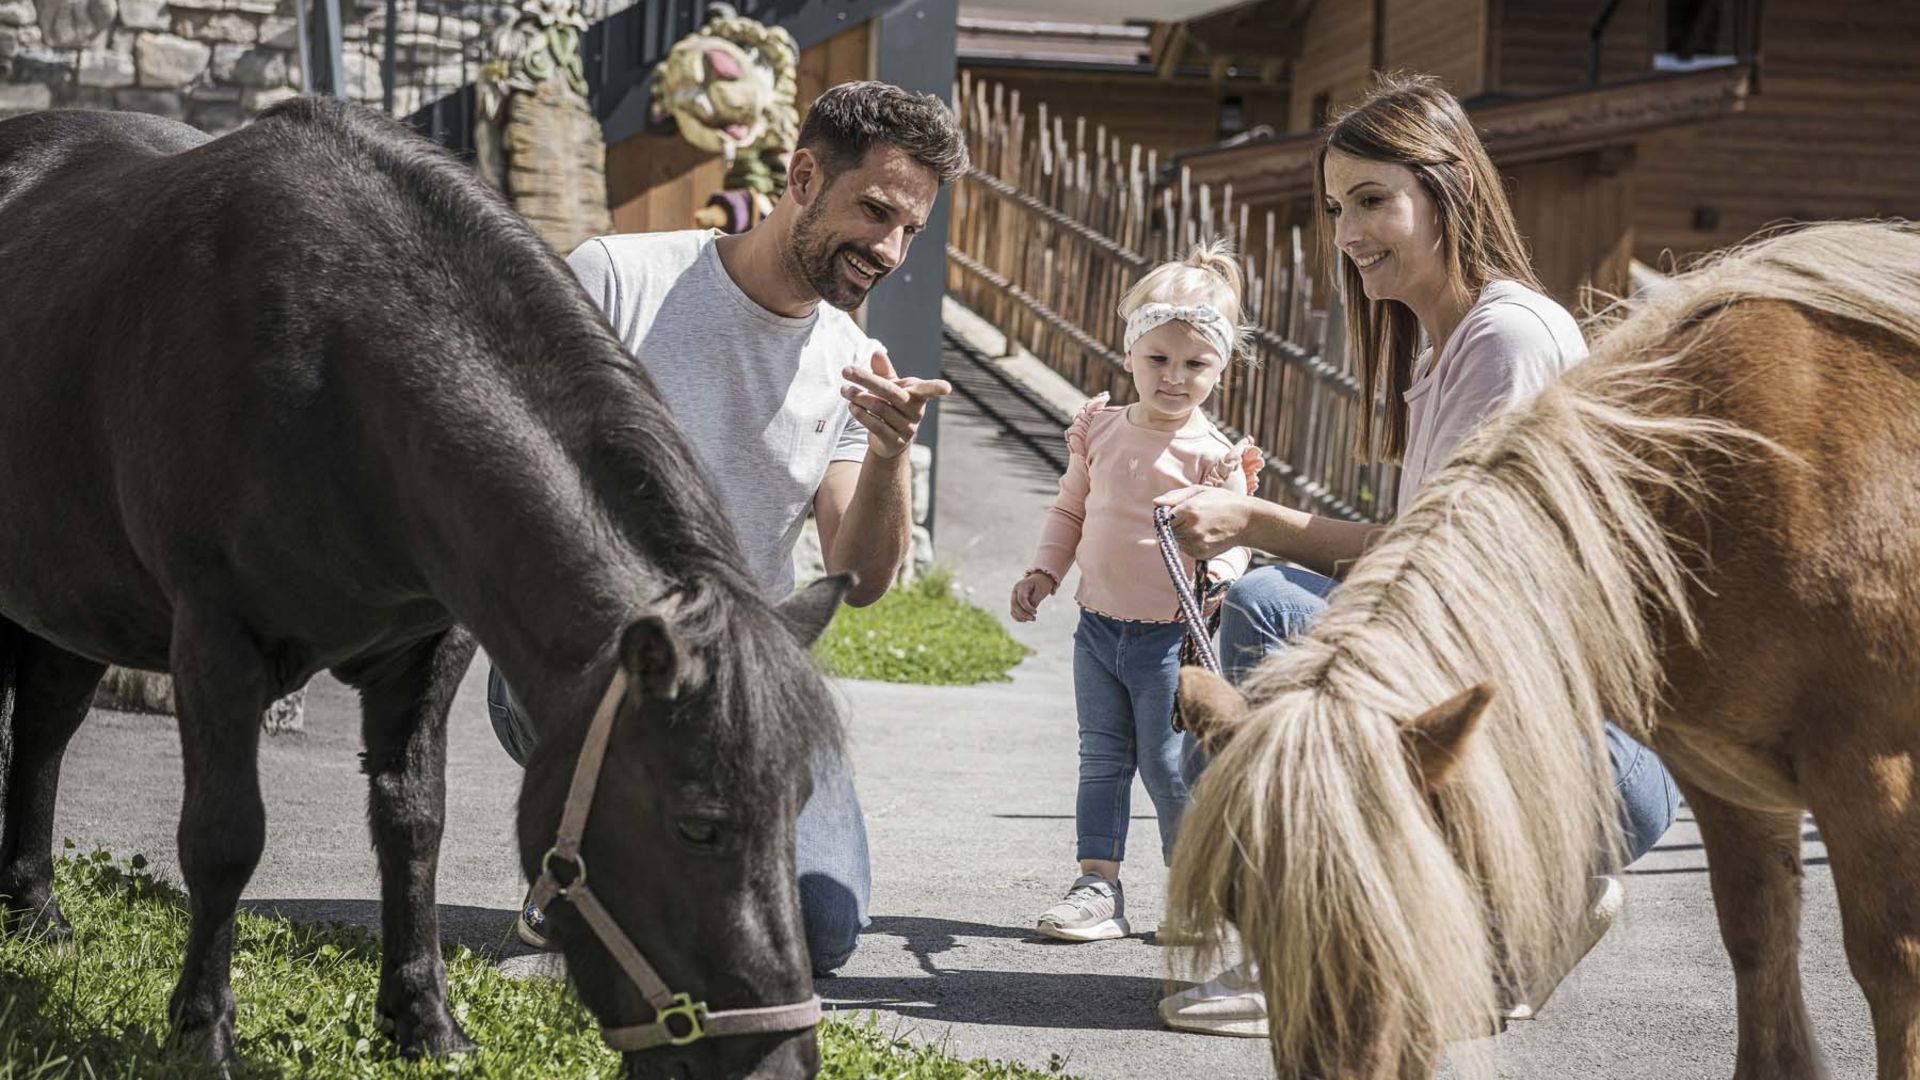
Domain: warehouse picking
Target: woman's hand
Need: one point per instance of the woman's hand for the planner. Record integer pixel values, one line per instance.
(1208, 520)
(1027, 595)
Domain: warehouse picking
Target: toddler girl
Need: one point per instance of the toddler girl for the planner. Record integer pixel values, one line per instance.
(1183, 329)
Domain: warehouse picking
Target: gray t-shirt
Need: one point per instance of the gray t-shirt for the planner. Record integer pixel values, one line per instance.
(1510, 345)
(757, 393)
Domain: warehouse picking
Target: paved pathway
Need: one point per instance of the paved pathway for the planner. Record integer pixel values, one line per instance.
(969, 794)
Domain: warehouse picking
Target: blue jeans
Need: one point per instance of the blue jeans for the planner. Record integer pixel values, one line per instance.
(1124, 678)
(830, 840)
(1269, 605)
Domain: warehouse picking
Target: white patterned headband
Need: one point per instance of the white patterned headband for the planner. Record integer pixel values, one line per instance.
(1209, 320)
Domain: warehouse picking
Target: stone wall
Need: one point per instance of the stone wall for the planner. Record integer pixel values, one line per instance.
(216, 63)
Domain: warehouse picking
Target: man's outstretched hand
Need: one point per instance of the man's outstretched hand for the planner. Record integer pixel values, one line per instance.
(888, 406)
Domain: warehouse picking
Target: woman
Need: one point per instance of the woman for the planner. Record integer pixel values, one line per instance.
(1427, 247)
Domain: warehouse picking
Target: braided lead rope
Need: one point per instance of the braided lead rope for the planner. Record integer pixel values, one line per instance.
(1196, 621)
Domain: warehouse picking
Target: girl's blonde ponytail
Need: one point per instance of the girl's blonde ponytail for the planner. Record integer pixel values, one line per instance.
(1216, 256)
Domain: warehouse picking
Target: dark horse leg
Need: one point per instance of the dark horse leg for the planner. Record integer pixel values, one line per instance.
(1753, 864)
(221, 685)
(404, 703)
(51, 689)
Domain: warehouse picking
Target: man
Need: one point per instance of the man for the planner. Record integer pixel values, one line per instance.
(788, 404)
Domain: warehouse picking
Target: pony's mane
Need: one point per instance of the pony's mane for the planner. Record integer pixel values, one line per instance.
(1543, 561)
(562, 366)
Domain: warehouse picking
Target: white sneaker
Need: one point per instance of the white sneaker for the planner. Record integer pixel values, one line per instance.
(1230, 1003)
(1094, 909)
(1609, 896)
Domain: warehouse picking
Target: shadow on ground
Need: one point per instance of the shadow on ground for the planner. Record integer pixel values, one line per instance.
(1087, 1001)
(1028, 440)
(486, 931)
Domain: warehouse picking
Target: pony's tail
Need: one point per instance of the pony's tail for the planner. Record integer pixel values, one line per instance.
(1311, 839)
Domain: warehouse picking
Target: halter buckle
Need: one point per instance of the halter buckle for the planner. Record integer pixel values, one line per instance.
(684, 1008)
(579, 865)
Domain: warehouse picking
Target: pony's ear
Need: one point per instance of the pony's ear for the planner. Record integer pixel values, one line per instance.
(1437, 738)
(808, 611)
(1210, 707)
(653, 657)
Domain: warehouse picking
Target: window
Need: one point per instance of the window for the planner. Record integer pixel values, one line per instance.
(1233, 116)
(1695, 34)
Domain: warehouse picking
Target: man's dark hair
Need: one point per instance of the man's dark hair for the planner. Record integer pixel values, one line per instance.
(849, 119)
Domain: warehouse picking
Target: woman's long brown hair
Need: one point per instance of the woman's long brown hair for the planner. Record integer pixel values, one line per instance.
(1413, 121)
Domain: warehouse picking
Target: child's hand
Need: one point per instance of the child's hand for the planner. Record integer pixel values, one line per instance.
(1027, 595)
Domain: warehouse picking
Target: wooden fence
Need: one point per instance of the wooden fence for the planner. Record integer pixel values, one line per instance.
(1049, 230)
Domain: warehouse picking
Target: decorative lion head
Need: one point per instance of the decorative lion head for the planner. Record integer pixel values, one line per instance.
(730, 85)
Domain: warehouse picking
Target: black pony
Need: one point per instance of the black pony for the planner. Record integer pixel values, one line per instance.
(310, 397)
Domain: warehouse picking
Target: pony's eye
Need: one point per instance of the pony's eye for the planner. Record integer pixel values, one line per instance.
(699, 832)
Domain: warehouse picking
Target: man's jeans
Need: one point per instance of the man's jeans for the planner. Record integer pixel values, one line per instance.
(1124, 677)
(830, 848)
(1269, 605)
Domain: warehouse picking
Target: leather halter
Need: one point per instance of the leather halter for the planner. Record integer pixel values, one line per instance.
(678, 1019)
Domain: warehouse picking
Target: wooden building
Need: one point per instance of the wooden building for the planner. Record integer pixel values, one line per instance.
(1628, 129)
(1083, 63)
(1098, 69)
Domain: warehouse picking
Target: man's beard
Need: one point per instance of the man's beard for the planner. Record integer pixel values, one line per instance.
(815, 259)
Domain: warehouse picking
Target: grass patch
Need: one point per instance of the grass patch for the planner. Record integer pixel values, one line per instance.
(853, 1048)
(95, 1008)
(922, 633)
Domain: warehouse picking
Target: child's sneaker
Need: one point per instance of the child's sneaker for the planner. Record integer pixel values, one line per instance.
(1094, 909)
(1230, 1003)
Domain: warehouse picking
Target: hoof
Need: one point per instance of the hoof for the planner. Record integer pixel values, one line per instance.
(202, 1035)
(35, 922)
(440, 1036)
(210, 1045)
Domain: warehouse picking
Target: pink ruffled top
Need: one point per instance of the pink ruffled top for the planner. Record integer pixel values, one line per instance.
(1103, 516)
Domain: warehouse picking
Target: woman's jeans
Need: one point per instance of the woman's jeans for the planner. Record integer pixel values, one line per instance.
(1124, 678)
(830, 848)
(1269, 605)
